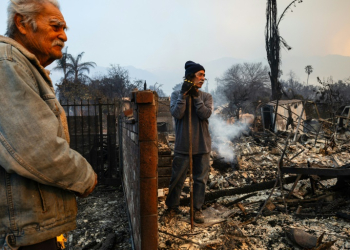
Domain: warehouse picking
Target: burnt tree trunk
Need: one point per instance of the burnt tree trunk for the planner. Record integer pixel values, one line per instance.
(272, 43)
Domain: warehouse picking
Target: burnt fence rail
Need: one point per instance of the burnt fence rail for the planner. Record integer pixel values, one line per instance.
(92, 130)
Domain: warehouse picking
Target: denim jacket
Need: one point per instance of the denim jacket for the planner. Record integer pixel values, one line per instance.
(39, 173)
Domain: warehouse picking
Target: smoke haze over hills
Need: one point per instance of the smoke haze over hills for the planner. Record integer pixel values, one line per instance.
(324, 66)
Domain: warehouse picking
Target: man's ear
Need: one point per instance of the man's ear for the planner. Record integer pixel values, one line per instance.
(21, 26)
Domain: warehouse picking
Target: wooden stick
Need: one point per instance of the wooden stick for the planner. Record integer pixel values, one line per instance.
(240, 199)
(190, 156)
(181, 238)
(297, 154)
(294, 185)
(279, 168)
(268, 198)
(275, 118)
(312, 181)
(299, 120)
(278, 179)
(299, 201)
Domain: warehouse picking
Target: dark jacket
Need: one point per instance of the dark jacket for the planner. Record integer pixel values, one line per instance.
(202, 108)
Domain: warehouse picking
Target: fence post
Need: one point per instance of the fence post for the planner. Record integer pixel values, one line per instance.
(75, 125)
(120, 148)
(82, 127)
(101, 136)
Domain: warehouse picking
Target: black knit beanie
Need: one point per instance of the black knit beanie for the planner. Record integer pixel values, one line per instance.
(192, 68)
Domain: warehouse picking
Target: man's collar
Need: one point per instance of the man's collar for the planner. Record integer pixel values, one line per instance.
(20, 47)
(30, 56)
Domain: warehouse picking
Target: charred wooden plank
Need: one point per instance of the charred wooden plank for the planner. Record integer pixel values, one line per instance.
(240, 199)
(299, 201)
(317, 171)
(244, 190)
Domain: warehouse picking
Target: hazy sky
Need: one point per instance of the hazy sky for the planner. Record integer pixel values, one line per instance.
(156, 34)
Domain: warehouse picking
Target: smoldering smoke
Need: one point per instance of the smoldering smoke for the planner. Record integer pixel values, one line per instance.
(222, 134)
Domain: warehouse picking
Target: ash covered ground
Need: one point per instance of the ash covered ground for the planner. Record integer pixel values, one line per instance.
(102, 222)
(316, 217)
(230, 227)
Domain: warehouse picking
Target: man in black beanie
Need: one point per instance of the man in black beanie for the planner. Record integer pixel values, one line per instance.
(202, 107)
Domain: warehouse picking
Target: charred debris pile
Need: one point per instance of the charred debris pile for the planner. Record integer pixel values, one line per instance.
(102, 222)
(277, 190)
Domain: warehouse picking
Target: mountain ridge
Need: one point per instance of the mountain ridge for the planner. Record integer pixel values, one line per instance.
(325, 66)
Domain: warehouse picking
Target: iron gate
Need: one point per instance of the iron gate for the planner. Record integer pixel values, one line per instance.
(92, 130)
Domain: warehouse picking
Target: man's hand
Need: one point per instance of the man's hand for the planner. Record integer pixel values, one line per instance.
(84, 195)
(194, 91)
(186, 86)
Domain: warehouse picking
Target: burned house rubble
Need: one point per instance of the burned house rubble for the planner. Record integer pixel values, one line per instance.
(102, 222)
(282, 187)
(269, 187)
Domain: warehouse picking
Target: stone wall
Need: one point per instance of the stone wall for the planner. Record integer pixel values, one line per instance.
(139, 159)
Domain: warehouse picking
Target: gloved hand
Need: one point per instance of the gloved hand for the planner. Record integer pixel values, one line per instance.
(194, 91)
(186, 86)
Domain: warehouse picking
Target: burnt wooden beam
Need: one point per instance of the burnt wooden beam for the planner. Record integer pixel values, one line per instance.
(317, 171)
(240, 199)
(300, 201)
(244, 190)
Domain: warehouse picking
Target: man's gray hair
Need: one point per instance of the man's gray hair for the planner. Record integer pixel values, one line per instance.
(29, 9)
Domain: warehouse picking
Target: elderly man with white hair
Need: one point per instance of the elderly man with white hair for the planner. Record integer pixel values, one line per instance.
(40, 176)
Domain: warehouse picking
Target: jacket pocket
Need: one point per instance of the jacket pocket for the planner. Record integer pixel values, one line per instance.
(69, 203)
(58, 203)
(52, 102)
(42, 198)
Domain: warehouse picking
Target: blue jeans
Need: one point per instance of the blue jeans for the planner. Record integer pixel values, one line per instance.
(181, 164)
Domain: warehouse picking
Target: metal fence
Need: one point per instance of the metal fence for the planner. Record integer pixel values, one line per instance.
(92, 130)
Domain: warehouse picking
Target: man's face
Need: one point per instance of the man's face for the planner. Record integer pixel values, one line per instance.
(47, 41)
(199, 78)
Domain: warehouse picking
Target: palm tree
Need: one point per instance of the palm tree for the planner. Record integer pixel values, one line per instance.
(62, 64)
(308, 70)
(77, 68)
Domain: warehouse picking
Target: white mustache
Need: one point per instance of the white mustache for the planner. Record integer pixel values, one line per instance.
(58, 43)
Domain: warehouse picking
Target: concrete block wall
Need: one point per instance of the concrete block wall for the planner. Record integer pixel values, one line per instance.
(164, 170)
(164, 114)
(139, 157)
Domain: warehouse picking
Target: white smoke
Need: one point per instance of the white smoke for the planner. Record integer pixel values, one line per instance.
(223, 133)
